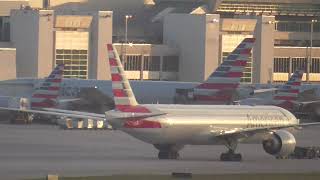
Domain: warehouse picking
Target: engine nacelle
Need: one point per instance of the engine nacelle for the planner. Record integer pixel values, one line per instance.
(281, 143)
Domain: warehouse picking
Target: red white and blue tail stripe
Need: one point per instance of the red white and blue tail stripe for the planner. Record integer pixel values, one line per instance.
(288, 93)
(124, 98)
(222, 83)
(46, 96)
(135, 115)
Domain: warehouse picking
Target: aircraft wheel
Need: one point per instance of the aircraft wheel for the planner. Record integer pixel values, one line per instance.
(174, 155)
(230, 157)
(168, 155)
(162, 155)
(237, 157)
(311, 154)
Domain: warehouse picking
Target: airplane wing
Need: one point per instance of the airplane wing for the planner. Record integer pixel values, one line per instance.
(67, 113)
(261, 91)
(247, 132)
(86, 115)
(308, 102)
(73, 112)
(68, 100)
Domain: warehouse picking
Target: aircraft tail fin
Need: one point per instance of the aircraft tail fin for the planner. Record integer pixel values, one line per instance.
(45, 96)
(289, 92)
(124, 98)
(226, 78)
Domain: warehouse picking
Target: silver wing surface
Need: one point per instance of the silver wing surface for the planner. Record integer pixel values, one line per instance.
(56, 112)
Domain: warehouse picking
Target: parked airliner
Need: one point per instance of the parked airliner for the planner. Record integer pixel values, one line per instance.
(45, 95)
(222, 86)
(170, 127)
(286, 96)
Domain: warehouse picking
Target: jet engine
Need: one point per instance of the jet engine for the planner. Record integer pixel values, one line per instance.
(281, 143)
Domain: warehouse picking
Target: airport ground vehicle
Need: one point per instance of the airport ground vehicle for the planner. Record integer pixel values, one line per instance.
(300, 152)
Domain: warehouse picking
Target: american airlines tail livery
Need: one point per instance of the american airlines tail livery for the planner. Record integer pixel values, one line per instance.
(46, 95)
(286, 96)
(170, 127)
(288, 93)
(221, 85)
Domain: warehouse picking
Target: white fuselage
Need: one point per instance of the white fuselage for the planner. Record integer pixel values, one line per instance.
(201, 124)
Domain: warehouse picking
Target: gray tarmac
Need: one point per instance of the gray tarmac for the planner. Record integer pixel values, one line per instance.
(30, 151)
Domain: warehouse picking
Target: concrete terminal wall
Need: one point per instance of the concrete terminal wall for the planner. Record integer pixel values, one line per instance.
(32, 35)
(197, 38)
(8, 63)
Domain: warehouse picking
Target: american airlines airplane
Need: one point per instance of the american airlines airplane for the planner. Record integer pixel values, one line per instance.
(223, 84)
(43, 96)
(170, 127)
(287, 97)
(46, 95)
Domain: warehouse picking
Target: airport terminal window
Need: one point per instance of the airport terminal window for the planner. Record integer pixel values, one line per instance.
(281, 65)
(170, 64)
(4, 28)
(59, 51)
(1, 29)
(297, 26)
(268, 7)
(151, 63)
(132, 63)
(76, 62)
(299, 63)
(316, 27)
(315, 65)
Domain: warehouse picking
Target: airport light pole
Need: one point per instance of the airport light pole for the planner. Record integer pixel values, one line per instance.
(311, 44)
(127, 17)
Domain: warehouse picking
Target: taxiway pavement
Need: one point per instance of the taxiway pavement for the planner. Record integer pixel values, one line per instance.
(28, 151)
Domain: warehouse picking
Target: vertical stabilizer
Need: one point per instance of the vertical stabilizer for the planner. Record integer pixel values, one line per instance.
(289, 92)
(45, 96)
(124, 98)
(223, 82)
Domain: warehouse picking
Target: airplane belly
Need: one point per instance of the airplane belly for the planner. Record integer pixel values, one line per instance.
(148, 135)
(199, 130)
(186, 134)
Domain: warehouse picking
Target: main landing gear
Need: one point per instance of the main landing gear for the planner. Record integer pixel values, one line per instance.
(168, 155)
(168, 151)
(231, 155)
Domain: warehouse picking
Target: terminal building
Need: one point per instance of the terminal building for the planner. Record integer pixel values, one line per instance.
(175, 40)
